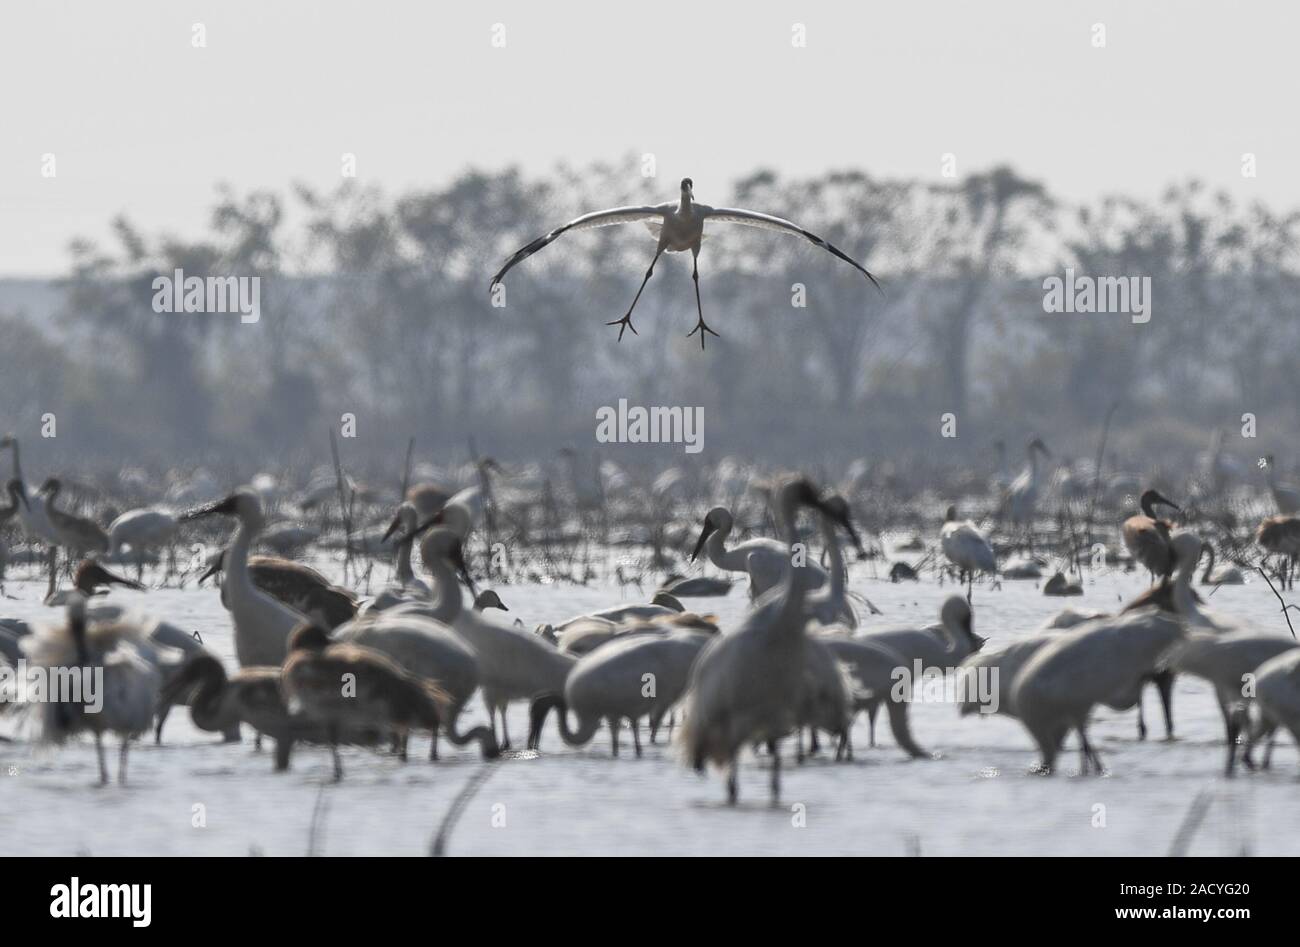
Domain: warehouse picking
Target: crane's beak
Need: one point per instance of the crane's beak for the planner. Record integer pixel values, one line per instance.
(393, 527)
(224, 507)
(211, 571)
(112, 578)
(422, 528)
(1169, 503)
(843, 518)
(705, 533)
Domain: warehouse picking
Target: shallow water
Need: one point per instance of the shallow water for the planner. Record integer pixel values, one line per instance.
(976, 797)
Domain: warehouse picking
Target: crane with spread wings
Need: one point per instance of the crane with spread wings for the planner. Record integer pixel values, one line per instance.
(679, 227)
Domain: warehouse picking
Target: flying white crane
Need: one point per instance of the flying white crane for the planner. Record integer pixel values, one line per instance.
(679, 227)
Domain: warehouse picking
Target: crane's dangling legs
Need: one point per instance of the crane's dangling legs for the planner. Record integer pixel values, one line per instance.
(700, 327)
(626, 322)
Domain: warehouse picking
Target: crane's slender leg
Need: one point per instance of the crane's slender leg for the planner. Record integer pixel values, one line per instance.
(1165, 684)
(636, 736)
(700, 327)
(505, 730)
(334, 750)
(626, 322)
(121, 761)
(775, 751)
(103, 767)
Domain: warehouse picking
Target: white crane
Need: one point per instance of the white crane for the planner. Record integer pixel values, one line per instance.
(1228, 574)
(1226, 662)
(966, 548)
(405, 585)
(830, 605)
(1100, 662)
(1022, 495)
(1277, 692)
(932, 649)
(763, 559)
(140, 530)
(513, 664)
(746, 686)
(873, 667)
(641, 675)
(262, 622)
(77, 534)
(679, 227)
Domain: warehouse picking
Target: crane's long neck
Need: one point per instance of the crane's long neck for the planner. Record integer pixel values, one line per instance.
(1209, 566)
(586, 727)
(446, 591)
(208, 710)
(720, 556)
(18, 466)
(793, 591)
(404, 572)
(834, 591)
(1184, 600)
(238, 584)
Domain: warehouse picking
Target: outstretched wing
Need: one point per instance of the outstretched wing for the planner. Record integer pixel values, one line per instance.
(600, 218)
(751, 218)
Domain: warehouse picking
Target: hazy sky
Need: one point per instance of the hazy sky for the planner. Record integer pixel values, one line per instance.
(141, 121)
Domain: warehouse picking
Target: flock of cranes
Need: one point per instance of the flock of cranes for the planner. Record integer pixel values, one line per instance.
(319, 664)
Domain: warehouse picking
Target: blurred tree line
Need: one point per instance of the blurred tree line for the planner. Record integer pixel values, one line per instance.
(377, 305)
